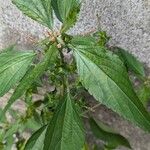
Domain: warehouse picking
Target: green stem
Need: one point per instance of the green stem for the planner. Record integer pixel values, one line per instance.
(64, 76)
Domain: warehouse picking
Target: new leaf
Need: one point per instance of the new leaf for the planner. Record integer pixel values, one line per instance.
(66, 11)
(105, 77)
(38, 10)
(65, 130)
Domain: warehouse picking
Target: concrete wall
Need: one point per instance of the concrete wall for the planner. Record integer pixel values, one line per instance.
(126, 21)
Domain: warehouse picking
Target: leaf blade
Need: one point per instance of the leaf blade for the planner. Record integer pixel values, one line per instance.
(30, 77)
(36, 140)
(105, 77)
(38, 10)
(65, 130)
(67, 12)
(13, 66)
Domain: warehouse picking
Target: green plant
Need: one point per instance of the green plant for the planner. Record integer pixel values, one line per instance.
(56, 119)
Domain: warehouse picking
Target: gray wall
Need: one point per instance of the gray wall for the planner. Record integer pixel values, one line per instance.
(126, 21)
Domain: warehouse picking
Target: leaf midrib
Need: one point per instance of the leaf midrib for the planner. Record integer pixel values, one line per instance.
(16, 58)
(117, 86)
(3, 88)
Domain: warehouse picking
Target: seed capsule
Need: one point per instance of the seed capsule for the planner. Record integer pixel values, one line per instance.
(59, 45)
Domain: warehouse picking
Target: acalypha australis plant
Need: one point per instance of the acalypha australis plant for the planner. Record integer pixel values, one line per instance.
(55, 121)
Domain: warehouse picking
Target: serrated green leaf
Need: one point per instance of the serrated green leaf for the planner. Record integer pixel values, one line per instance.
(13, 66)
(38, 10)
(102, 132)
(132, 62)
(65, 130)
(36, 141)
(66, 11)
(31, 77)
(105, 77)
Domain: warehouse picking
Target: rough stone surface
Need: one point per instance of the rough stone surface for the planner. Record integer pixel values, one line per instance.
(139, 140)
(126, 21)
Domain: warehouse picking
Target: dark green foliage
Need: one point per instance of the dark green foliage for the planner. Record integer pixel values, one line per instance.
(55, 119)
(31, 76)
(65, 130)
(105, 77)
